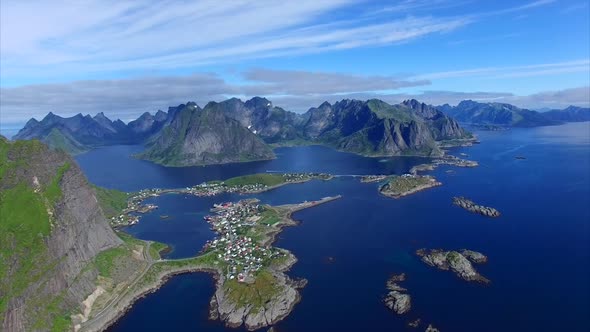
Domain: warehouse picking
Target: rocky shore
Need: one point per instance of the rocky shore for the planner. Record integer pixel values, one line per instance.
(470, 206)
(458, 262)
(274, 309)
(397, 299)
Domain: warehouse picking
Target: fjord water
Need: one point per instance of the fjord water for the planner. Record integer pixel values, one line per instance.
(538, 249)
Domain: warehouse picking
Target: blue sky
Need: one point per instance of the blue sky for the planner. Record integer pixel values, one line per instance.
(128, 57)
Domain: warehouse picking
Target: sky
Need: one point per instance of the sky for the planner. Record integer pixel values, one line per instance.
(126, 57)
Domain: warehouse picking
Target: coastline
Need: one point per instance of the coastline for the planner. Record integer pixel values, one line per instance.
(158, 273)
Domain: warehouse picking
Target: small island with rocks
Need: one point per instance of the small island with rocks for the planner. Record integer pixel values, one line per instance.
(407, 184)
(397, 299)
(457, 261)
(470, 206)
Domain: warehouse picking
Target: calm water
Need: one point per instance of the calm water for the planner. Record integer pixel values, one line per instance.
(538, 249)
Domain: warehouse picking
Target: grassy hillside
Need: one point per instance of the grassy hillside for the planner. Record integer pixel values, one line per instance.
(25, 221)
(111, 201)
(268, 179)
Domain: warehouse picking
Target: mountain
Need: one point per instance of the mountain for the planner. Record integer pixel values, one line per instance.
(198, 136)
(180, 136)
(376, 128)
(75, 134)
(51, 230)
(500, 114)
(569, 114)
(272, 124)
(147, 125)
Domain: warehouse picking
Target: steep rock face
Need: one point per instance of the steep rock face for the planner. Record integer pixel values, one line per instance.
(147, 125)
(207, 136)
(442, 126)
(376, 128)
(469, 111)
(51, 228)
(262, 118)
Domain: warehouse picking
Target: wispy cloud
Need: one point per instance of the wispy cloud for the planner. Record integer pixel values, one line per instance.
(131, 35)
(574, 66)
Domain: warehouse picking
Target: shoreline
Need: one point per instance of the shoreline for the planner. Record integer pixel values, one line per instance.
(152, 281)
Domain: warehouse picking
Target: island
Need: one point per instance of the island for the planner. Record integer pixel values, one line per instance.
(247, 184)
(252, 288)
(397, 298)
(406, 184)
(470, 206)
(458, 262)
(445, 160)
(431, 328)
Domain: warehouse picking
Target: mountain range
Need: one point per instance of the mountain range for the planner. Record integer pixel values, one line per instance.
(235, 131)
(507, 115)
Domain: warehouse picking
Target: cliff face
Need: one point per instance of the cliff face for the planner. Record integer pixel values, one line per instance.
(51, 228)
(258, 114)
(374, 127)
(205, 136)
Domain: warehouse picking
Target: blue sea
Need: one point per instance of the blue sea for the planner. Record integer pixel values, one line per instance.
(538, 250)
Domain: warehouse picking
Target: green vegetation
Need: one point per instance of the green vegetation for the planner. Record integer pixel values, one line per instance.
(53, 190)
(270, 217)
(57, 140)
(156, 249)
(107, 260)
(400, 185)
(268, 179)
(386, 111)
(24, 225)
(112, 201)
(255, 294)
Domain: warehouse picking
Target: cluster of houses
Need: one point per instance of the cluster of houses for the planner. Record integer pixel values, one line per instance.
(242, 255)
(455, 161)
(135, 205)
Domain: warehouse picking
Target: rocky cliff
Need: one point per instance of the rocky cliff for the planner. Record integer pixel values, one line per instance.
(51, 228)
(197, 136)
(259, 115)
(374, 127)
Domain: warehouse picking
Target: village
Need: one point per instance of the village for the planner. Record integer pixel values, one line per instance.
(239, 227)
(247, 184)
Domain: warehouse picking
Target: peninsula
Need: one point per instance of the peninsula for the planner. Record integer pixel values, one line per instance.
(407, 184)
(458, 262)
(252, 288)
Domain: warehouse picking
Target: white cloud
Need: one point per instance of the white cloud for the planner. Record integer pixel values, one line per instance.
(582, 65)
(47, 38)
(293, 90)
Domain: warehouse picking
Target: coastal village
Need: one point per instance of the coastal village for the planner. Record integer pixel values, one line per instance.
(248, 184)
(238, 243)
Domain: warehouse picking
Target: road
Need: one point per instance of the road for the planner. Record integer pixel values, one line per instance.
(96, 318)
